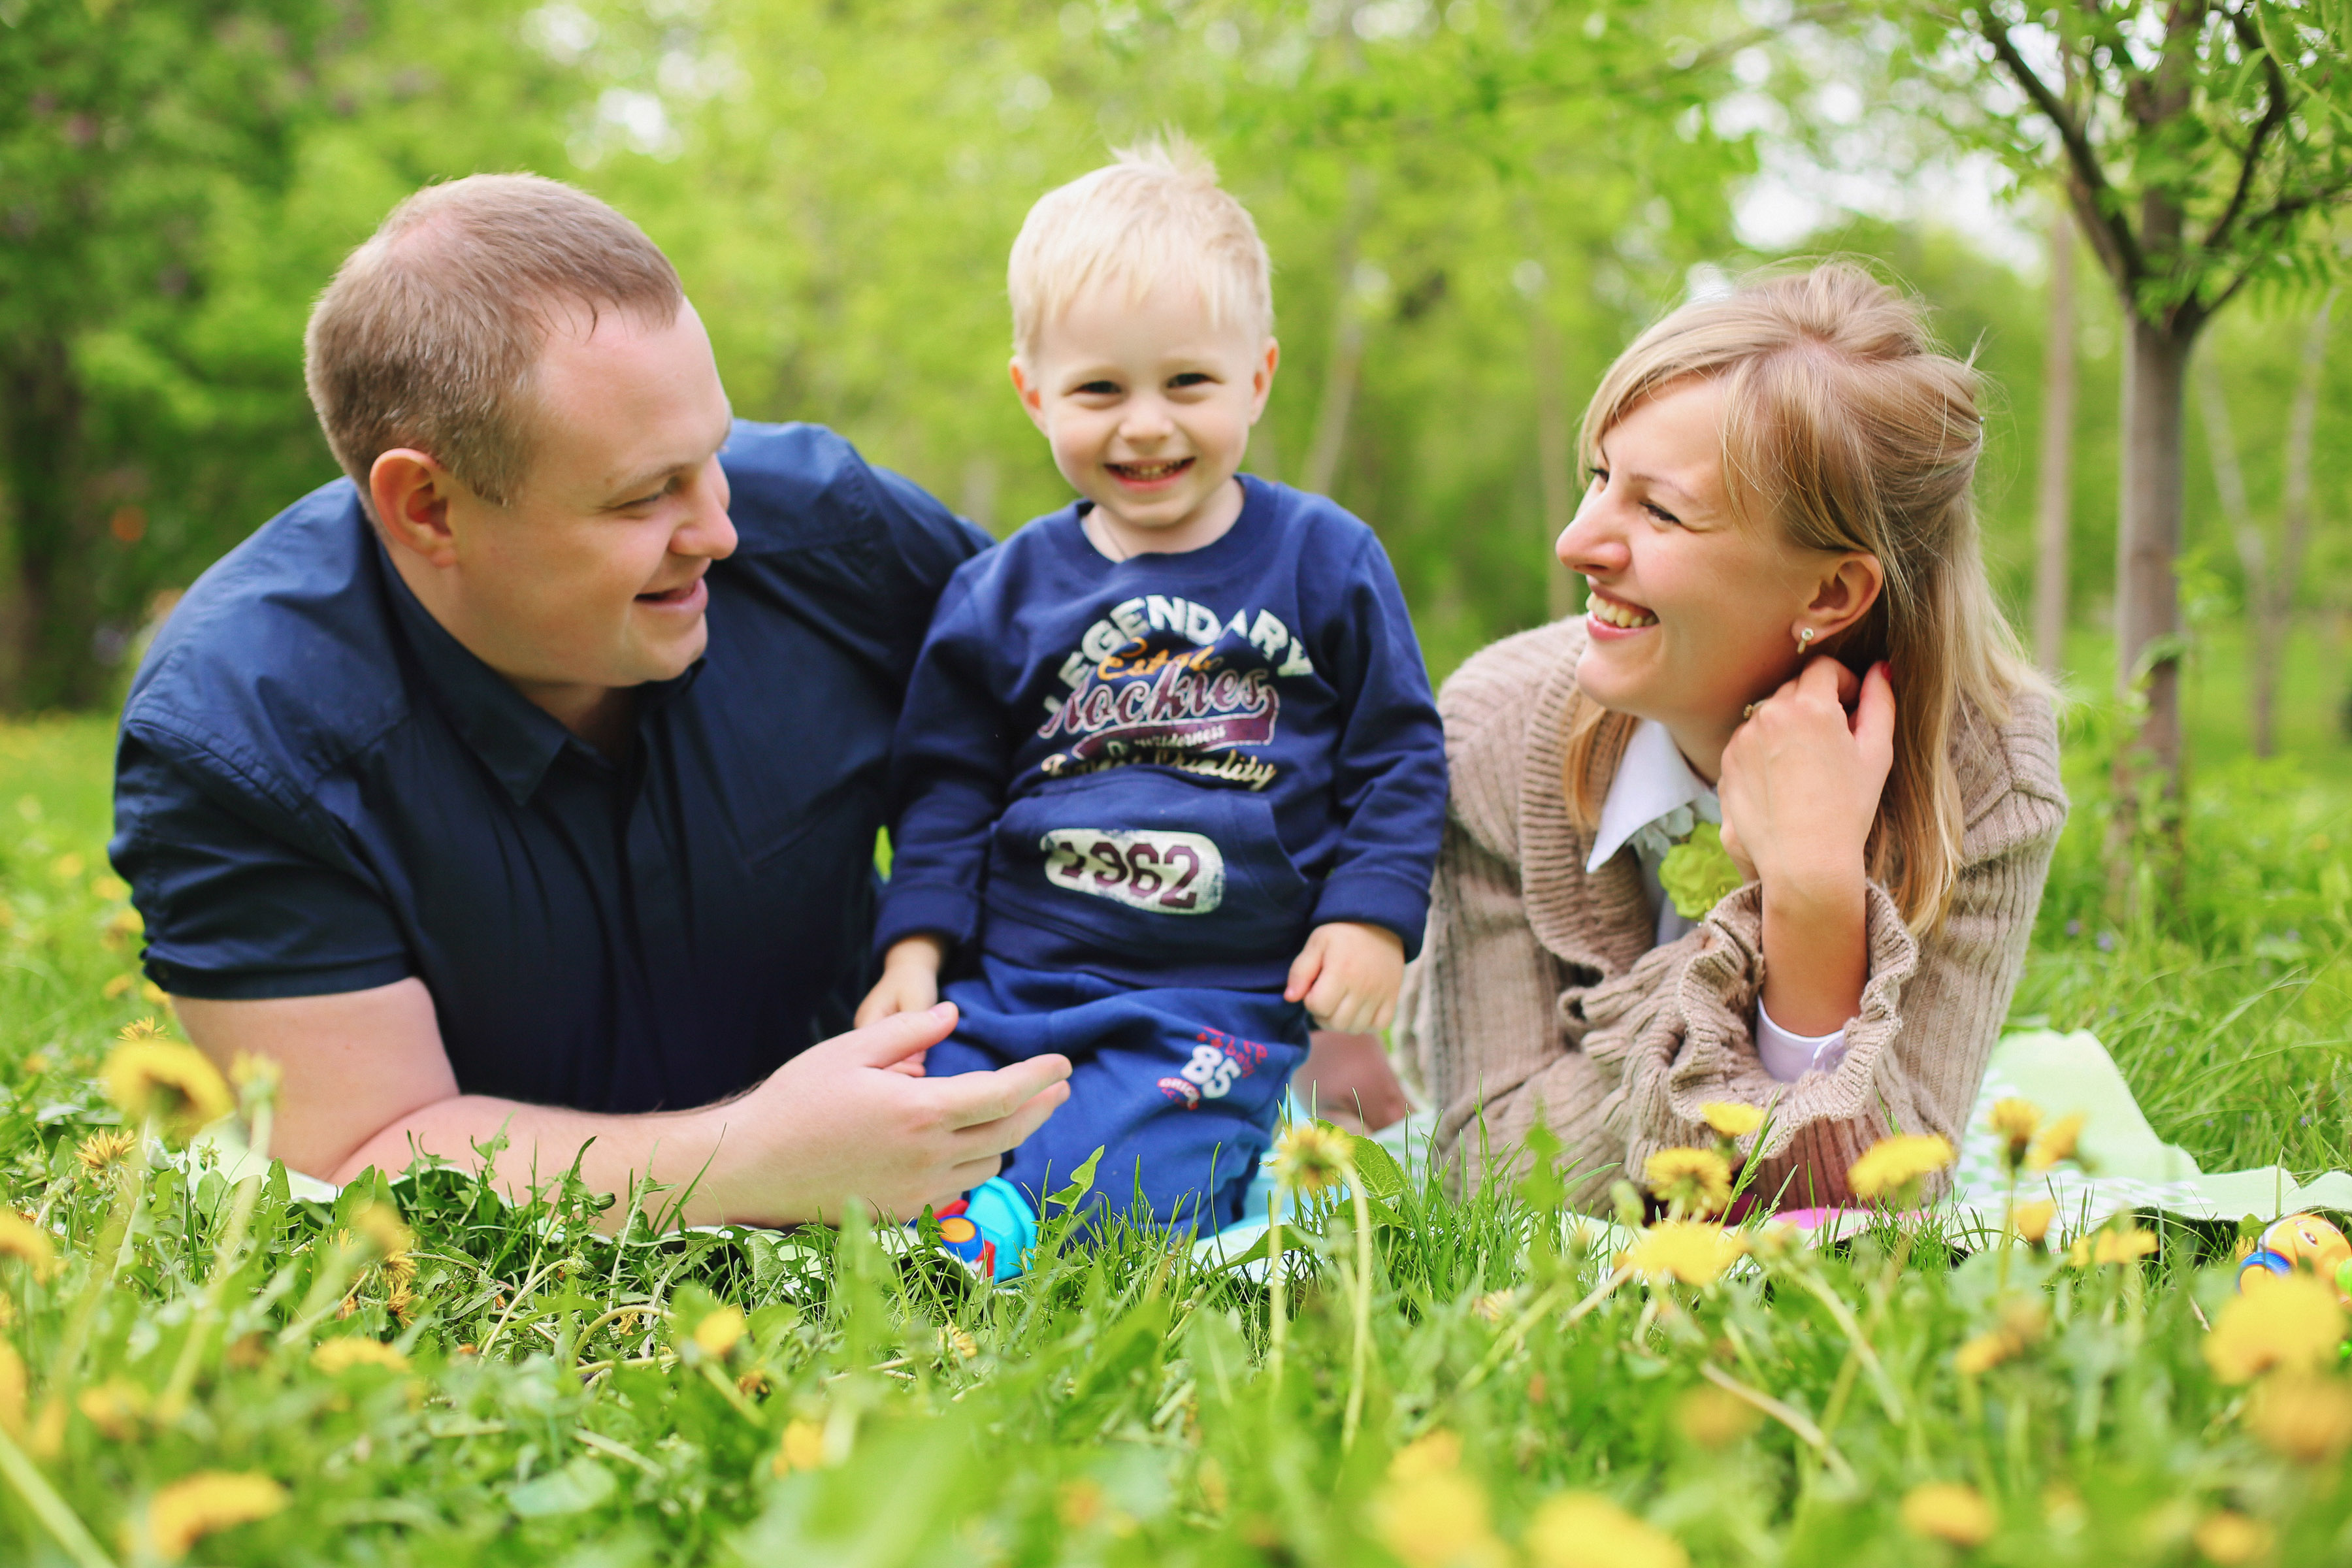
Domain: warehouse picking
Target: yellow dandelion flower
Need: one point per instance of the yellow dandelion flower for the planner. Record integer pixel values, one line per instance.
(248, 1071)
(20, 1237)
(1689, 1181)
(2228, 1539)
(35, 1065)
(115, 1407)
(102, 1149)
(1731, 1119)
(1079, 1502)
(802, 1447)
(1433, 1453)
(401, 1301)
(2293, 1321)
(1439, 1519)
(116, 989)
(2122, 1244)
(1495, 1305)
(1892, 1167)
(1713, 1417)
(342, 1355)
(1581, 1529)
(958, 1344)
(2015, 1122)
(2308, 1419)
(1947, 1511)
(2056, 1143)
(1311, 1156)
(2032, 1221)
(13, 1388)
(187, 1510)
(148, 1076)
(1983, 1352)
(720, 1330)
(384, 1229)
(1692, 1251)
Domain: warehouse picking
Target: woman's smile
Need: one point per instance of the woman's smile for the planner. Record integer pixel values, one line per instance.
(1614, 617)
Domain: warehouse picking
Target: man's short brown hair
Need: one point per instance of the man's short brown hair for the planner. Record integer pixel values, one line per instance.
(428, 336)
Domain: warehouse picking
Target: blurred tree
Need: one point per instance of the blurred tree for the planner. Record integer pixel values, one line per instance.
(121, 126)
(2053, 484)
(2271, 558)
(2201, 145)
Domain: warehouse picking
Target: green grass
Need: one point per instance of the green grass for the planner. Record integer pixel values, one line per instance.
(1118, 1405)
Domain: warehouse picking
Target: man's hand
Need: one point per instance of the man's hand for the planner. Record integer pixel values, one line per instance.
(1348, 975)
(910, 983)
(839, 1123)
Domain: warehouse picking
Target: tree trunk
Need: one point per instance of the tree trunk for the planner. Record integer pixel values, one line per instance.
(2253, 551)
(2053, 490)
(2277, 614)
(1562, 594)
(50, 601)
(1338, 402)
(2147, 598)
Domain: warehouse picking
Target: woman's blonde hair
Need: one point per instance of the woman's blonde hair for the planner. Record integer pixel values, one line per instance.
(1846, 425)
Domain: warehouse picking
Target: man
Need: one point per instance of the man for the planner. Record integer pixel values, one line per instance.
(527, 783)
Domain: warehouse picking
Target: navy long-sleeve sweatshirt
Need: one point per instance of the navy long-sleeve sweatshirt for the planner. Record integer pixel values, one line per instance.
(1168, 770)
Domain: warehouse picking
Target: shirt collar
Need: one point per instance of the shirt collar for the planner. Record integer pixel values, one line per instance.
(1652, 780)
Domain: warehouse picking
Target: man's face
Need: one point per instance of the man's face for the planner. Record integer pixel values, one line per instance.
(593, 576)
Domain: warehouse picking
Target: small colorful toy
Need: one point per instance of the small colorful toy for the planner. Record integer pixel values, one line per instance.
(2300, 1241)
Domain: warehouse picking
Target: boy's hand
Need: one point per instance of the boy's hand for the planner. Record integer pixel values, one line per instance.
(910, 983)
(1348, 976)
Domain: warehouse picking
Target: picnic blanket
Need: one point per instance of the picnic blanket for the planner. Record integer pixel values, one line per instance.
(2125, 1166)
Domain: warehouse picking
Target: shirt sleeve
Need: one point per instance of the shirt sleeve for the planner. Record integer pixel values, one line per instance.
(856, 552)
(1389, 775)
(238, 904)
(1787, 1056)
(950, 759)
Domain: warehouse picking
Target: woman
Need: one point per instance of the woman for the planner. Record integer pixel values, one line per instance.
(1789, 632)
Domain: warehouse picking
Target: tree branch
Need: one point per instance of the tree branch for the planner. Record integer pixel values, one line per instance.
(2122, 248)
(2274, 111)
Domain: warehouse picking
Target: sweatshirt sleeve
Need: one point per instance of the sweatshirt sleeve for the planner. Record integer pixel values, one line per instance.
(949, 759)
(1389, 775)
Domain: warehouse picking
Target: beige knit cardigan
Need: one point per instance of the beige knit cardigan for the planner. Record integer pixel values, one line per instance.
(1539, 995)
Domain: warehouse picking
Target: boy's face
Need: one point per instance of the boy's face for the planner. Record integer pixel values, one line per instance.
(1149, 408)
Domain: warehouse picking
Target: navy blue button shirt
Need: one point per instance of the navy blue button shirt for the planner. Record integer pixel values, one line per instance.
(318, 790)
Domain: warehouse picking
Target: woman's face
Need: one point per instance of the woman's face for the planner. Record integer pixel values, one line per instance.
(1694, 612)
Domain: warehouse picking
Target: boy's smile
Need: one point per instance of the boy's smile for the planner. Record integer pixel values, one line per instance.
(1148, 405)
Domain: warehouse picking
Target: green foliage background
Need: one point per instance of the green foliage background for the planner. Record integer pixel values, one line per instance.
(838, 183)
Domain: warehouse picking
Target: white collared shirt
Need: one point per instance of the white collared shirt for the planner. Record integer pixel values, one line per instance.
(1654, 800)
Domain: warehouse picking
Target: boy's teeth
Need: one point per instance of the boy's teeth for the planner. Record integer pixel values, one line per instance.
(1623, 615)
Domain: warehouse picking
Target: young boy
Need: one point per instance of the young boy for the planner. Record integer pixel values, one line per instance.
(1169, 762)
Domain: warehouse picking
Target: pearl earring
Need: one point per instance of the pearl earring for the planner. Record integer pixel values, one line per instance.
(1804, 639)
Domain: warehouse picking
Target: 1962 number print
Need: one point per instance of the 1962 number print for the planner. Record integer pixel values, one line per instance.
(1167, 873)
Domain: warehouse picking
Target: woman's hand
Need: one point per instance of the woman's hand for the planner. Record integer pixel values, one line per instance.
(1801, 787)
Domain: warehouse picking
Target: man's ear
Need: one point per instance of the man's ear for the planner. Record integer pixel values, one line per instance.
(1262, 378)
(411, 493)
(1032, 397)
(1845, 594)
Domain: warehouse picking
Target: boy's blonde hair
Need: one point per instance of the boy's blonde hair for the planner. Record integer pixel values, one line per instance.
(1156, 216)
(1848, 429)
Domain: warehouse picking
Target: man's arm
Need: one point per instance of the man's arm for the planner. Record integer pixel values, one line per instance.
(366, 1075)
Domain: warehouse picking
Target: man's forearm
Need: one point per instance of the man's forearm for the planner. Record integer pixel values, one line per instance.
(669, 1149)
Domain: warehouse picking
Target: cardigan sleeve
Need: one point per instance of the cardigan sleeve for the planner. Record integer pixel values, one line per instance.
(1916, 1050)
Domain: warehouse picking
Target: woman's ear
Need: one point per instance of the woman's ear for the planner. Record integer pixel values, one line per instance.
(1845, 595)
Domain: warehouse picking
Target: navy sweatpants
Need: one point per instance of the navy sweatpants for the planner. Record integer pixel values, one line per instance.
(1178, 1085)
